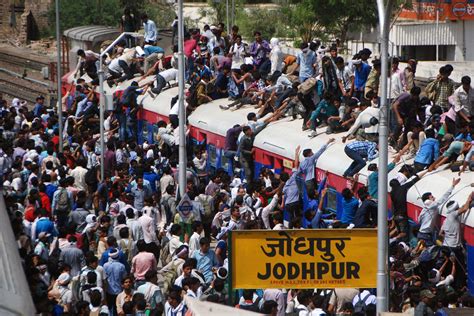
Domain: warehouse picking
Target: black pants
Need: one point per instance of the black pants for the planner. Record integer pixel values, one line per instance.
(294, 210)
(160, 84)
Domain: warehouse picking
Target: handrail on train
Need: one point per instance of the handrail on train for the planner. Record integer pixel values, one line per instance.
(118, 39)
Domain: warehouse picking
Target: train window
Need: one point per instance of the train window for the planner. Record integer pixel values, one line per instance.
(211, 151)
(145, 130)
(331, 200)
(224, 161)
(155, 133)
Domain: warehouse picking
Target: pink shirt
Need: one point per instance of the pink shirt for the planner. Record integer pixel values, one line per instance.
(141, 263)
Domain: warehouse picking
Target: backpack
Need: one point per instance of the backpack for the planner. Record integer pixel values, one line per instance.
(91, 177)
(254, 307)
(206, 202)
(307, 86)
(361, 306)
(166, 256)
(63, 205)
(53, 260)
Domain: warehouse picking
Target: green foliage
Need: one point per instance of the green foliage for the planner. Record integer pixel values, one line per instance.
(270, 22)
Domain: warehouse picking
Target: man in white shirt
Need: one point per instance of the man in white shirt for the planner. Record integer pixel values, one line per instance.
(163, 78)
(149, 27)
(195, 237)
(368, 120)
(463, 98)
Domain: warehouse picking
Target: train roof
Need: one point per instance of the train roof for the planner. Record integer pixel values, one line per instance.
(283, 136)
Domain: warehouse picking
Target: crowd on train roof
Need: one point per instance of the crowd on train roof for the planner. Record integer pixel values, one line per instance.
(122, 245)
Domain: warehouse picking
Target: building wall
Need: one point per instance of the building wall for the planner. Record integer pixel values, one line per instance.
(40, 9)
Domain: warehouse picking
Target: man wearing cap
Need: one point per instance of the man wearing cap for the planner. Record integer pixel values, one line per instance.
(115, 272)
(423, 308)
(373, 80)
(429, 214)
(39, 105)
(41, 248)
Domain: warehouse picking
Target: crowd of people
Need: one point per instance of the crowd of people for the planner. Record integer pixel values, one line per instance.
(124, 245)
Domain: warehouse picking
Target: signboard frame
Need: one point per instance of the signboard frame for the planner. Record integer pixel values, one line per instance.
(367, 278)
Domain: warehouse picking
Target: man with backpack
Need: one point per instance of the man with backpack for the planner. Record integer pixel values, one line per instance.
(248, 303)
(362, 300)
(62, 203)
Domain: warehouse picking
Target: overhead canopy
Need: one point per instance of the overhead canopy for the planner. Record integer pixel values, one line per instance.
(92, 33)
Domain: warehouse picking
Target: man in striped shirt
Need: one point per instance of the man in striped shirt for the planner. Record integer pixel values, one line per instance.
(358, 151)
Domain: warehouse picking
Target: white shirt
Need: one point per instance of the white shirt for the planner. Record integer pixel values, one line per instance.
(150, 31)
(371, 299)
(464, 101)
(194, 243)
(169, 74)
(364, 120)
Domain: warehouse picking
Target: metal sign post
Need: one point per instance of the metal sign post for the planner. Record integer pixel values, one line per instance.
(182, 108)
(58, 74)
(384, 13)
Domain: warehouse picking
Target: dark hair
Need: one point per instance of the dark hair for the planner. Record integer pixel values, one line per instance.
(175, 229)
(204, 241)
(466, 80)
(415, 90)
(346, 194)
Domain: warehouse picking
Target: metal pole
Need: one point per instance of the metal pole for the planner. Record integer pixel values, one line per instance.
(233, 13)
(182, 109)
(437, 32)
(101, 117)
(227, 16)
(384, 14)
(58, 74)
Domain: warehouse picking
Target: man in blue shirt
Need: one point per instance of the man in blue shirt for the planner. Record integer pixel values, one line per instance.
(39, 105)
(358, 151)
(221, 83)
(361, 74)
(373, 179)
(349, 206)
(307, 62)
(428, 152)
(206, 259)
(112, 244)
(43, 224)
(115, 272)
(308, 165)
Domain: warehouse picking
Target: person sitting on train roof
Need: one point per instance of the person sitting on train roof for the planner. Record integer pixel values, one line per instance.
(326, 108)
(124, 67)
(358, 151)
(221, 83)
(366, 125)
(455, 149)
(428, 151)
